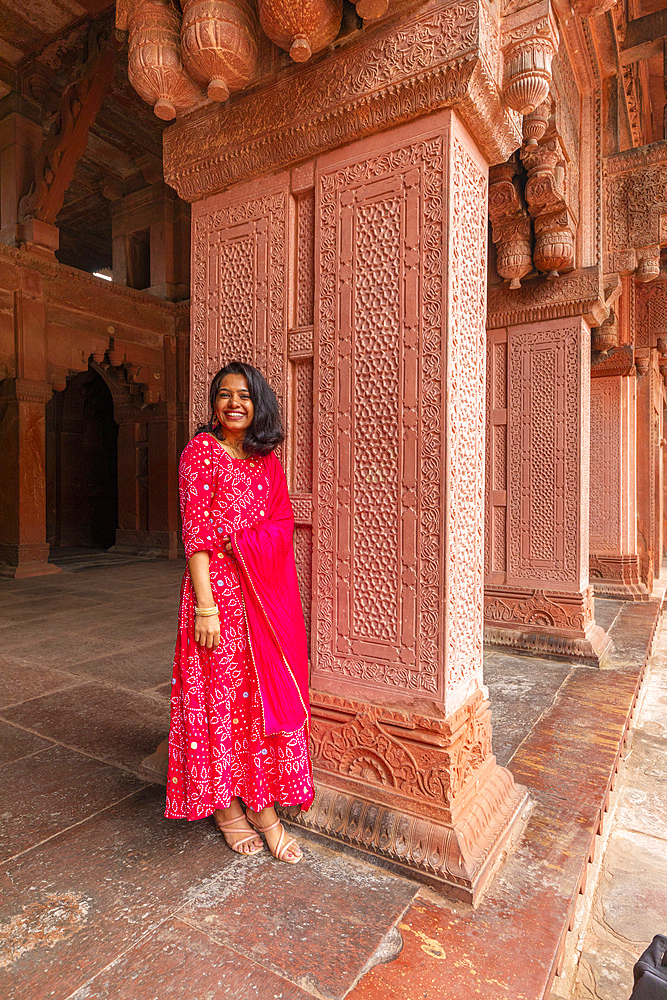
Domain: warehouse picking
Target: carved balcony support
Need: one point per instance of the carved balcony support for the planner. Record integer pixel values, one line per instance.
(604, 338)
(219, 44)
(301, 29)
(554, 227)
(635, 193)
(529, 39)
(510, 224)
(155, 68)
(62, 149)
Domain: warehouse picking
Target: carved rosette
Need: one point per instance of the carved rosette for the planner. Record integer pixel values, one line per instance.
(510, 224)
(155, 69)
(529, 42)
(554, 236)
(301, 28)
(219, 44)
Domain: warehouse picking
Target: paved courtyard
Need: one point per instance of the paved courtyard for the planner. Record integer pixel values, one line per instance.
(102, 897)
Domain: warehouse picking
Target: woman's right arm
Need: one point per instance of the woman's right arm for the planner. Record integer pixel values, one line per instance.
(196, 490)
(207, 630)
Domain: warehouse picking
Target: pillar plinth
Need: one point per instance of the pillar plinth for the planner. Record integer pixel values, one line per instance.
(614, 561)
(537, 596)
(24, 551)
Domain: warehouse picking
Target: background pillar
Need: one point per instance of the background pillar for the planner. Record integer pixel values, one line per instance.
(650, 395)
(614, 562)
(537, 595)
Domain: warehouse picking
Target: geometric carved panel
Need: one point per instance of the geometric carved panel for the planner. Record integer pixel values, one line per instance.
(547, 477)
(605, 526)
(386, 396)
(239, 263)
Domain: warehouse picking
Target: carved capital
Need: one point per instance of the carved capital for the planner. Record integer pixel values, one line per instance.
(529, 39)
(554, 229)
(635, 194)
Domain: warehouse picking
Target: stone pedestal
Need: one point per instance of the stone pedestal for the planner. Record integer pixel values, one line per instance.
(24, 550)
(614, 561)
(537, 595)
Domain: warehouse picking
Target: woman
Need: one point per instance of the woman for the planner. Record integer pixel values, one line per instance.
(239, 709)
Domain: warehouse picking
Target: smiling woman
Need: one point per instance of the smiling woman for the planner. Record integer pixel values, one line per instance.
(240, 715)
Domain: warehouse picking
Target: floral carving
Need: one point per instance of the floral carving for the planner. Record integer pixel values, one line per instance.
(529, 42)
(554, 226)
(635, 187)
(510, 223)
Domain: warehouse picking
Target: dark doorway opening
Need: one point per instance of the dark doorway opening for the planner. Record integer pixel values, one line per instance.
(82, 465)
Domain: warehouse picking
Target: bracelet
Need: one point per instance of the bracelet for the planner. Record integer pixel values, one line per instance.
(206, 612)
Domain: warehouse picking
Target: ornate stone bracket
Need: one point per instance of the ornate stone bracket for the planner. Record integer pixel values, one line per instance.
(67, 140)
(529, 40)
(635, 193)
(511, 229)
(554, 224)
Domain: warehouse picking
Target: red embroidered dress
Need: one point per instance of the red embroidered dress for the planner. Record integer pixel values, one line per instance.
(239, 713)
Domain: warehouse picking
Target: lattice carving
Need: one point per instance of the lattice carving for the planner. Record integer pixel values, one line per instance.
(303, 557)
(651, 305)
(544, 471)
(412, 176)
(605, 509)
(303, 427)
(239, 289)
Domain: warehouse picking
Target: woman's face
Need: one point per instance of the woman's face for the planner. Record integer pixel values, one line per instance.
(233, 405)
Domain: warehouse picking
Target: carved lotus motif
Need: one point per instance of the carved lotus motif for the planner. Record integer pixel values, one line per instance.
(154, 66)
(301, 27)
(219, 44)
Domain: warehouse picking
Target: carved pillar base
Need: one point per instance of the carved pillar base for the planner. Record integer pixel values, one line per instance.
(138, 542)
(423, 795)
(18, 562)
(545, 623)
(617, 576)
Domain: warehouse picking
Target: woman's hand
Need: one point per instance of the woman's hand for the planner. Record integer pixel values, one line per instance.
(227, 543)
(207, 631)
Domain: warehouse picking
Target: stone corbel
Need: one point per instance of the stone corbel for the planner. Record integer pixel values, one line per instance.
(62, 149)
(545, 196)
(635, 188)
(529, 40)
(510, 223)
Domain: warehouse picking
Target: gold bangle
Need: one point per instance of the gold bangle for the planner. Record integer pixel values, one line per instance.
(206, 612)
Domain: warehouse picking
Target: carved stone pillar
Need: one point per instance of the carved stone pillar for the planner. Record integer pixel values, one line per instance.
(650, 397)
(24, 550)
(614, 561)
(383, 341)
(537, 596)
(20, 141)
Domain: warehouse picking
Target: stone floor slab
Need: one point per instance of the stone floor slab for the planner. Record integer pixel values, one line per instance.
(75, 904)
(316, 923)
(16, 743)
(177, 961)
(50, 791)
(21, 679)
(119, 726)
(140, 668)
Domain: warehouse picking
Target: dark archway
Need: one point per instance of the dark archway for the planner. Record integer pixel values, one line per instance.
(82, 465)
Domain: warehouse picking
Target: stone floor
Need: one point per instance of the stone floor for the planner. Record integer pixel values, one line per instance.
(101, 897)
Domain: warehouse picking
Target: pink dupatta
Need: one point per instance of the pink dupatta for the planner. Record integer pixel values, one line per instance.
(274, 615)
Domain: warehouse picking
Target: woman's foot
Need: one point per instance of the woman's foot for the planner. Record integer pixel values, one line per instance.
(281, 846)
(234, 827)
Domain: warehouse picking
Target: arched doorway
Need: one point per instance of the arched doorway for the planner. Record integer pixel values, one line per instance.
(82, 465)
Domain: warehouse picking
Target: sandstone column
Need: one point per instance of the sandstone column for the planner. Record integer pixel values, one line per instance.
(537, 595)
(650, 401)
(614, 563)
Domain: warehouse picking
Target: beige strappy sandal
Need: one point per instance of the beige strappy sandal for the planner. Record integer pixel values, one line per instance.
(228, 825)
(283, 845)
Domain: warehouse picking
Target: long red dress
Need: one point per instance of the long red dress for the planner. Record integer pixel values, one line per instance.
(239, 713)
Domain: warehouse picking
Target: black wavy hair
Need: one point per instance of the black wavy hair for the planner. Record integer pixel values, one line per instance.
(266, 430)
